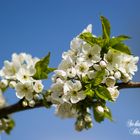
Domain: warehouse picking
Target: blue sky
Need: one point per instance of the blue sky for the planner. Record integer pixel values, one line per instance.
(40, 26)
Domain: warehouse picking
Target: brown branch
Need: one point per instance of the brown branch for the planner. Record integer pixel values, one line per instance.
(17, 107)
(128, 85)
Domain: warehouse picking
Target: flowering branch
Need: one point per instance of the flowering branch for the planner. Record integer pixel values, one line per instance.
(84, 81)
(17, 107)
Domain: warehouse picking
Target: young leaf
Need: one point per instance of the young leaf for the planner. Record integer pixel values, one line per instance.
(85, 79)
(122, 37)
(105, 27)
(122, 48)
(88, 37)
(89, 92)
(42, 69)
(98, 78)
(103, 93)
(108, 114)
(118, 39)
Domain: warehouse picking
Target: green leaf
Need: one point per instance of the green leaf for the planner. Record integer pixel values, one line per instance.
(89, 92)
(118, 39)
(122, 48)
(88, 37)
(88, 86)
(42, 69)
(103, 93)
(99, 76)
(108, 114)
(122, 37)
(85, 79)
(105, 27)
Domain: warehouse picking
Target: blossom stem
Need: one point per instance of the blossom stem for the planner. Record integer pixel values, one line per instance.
(17, 107)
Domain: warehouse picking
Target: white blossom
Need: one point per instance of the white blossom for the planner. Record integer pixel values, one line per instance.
(66, 110)
(24, 90)
(88, 29)
(9, 70)
(71, 72)
(65, 64)
(72, 92)
(83, 63)
(91, 55)
(38, 86)
(59, 74)
(82, 68)
(113, 92)
(24, 74)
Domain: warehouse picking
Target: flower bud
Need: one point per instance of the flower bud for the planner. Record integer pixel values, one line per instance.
(100, 110)
(25, 103)
(12, 84)
(117, 75)
(103, 64)
(32, 103)
(111, 72)
(87, 118)
(36, 97)
(110, 81)
(3, 83)
(79, 125)
(97, 67)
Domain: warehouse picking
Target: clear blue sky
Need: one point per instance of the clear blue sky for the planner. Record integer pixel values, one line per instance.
(40, 26)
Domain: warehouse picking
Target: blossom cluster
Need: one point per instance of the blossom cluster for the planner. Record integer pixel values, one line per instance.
(18, 74)
(88, 73)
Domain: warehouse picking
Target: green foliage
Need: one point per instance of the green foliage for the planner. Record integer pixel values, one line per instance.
(106, 42)
(98, 78)
(42, 68)
(103, 93)
(90, 39)
(120, 38)
(122, 48)
(108, 114)
(89, 92)
(105, 28)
